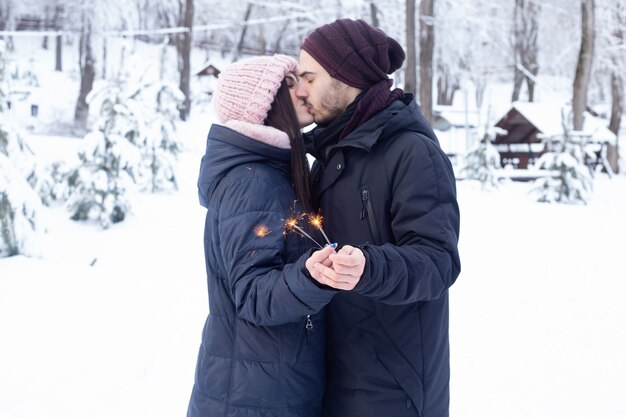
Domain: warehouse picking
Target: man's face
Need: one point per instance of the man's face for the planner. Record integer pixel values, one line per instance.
(325, 97)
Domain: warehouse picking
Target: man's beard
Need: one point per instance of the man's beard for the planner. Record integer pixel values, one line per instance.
(331, 105)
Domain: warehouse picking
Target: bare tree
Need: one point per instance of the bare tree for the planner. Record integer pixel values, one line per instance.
(374, 13)
(57, 24)
(279, 37)
(585, 61)
(410, 79)
(86, 62)
(427, 47)
(242, 35)
(617, 83)
(183, 47)
(7, 21)
(447, 85)
(525, 46)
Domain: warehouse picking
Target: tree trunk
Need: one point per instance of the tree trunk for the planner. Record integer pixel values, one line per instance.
(617, 110)
(46, 27)
(279, 38)
(617, 88)
(262, 42)
(184, 57)
(87, 75)
(374, 14)
(410, 78)
(525, 47)
(58, 56)
(57, 24)
(242, 36)
(427, 47)
(105, 50)
(447, 85)
(585, 60)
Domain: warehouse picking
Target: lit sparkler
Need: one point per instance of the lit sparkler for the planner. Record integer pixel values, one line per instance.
(293, 224)
(317, 222)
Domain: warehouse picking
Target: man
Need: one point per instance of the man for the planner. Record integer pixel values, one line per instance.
(388, 194)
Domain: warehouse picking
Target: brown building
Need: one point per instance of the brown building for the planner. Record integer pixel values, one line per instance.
(527, 123)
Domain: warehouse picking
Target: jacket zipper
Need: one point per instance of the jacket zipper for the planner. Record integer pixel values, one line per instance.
(309, 329)
(368, 211)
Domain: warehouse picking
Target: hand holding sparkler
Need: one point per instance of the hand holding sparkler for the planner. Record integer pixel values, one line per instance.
(345, 270)
(320, 257)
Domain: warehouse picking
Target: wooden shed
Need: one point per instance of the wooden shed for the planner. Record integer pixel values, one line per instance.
(525, 123)
(209, 69)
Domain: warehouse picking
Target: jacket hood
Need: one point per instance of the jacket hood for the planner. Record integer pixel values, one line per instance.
(227, 148)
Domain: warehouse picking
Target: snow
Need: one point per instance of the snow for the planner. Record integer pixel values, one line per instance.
(108, 322)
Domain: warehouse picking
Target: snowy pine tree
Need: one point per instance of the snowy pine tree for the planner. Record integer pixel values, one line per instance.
(162, 146)
(569, 180)
(4, 78)
(20, 205)
(110, 158)
(482, 162)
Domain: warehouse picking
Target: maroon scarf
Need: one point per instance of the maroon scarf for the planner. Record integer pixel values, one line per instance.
(376, 98)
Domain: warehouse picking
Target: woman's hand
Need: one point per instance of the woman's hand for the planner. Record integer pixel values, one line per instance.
(341, 270)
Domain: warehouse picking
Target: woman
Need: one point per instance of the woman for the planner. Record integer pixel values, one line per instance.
(262, 351)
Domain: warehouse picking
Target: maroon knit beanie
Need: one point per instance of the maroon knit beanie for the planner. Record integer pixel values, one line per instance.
(354, 52)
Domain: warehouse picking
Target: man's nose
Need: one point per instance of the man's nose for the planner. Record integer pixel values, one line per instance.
(301, 91)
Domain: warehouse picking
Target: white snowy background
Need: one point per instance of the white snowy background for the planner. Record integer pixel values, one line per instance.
(108, 322)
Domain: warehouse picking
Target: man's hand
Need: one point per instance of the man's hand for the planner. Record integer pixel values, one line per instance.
(345, 270)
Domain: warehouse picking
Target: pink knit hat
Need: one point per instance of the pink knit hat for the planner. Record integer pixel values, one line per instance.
(246, 89)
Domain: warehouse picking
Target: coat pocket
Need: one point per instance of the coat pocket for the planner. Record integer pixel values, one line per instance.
(398, 367)
(304, 340)
(367, 213)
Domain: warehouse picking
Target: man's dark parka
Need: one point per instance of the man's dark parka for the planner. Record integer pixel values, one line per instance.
(388, 188)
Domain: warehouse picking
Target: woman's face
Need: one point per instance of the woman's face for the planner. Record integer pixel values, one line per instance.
(304, 117)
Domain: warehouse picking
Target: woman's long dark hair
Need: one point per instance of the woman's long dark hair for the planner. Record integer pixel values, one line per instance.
(282, 116)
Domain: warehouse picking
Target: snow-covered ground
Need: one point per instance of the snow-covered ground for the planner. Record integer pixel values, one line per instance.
(108, 322)
(537, 319)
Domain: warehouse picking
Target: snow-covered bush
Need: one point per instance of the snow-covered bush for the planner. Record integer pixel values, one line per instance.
(482, 162)
(20, 209)
(568, 179)
(19, 204)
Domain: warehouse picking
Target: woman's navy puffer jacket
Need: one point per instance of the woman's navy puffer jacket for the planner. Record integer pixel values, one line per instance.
(262, 351)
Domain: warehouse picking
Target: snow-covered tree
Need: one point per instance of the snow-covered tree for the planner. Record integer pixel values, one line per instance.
(569, 179)
(161, 145)
(20, 206)
(482, 162)
(4, 82)
(110, 158)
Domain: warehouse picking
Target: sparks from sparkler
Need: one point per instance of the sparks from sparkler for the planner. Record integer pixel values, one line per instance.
(292, 223)
(317, 222)
(261, 230)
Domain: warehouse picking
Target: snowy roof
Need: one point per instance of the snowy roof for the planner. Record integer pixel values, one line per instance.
(546, 117)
